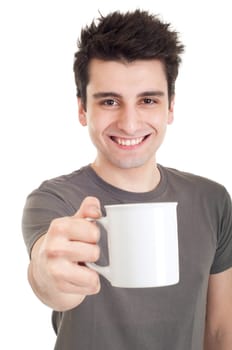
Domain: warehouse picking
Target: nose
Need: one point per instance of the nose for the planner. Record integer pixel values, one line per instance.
(129, 120)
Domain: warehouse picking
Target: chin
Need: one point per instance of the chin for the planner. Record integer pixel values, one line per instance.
(129, 164)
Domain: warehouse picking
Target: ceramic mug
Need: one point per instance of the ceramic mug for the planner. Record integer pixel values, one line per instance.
(142, 244)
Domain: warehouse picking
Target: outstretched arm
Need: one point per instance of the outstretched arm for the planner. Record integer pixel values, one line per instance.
(56, 271)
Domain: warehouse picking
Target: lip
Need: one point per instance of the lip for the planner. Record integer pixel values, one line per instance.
(129, 143)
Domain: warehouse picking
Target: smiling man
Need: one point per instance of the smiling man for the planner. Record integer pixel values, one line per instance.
(125, 71)
(127, 116)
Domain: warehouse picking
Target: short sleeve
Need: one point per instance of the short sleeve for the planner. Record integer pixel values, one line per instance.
(223, 255)
(41, 207)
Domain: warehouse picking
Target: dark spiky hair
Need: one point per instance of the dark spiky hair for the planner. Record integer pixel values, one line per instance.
(127, 37)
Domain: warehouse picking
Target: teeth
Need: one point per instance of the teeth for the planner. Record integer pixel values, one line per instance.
(128, 142)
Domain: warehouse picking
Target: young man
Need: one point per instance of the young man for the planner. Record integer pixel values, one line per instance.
(125, 71)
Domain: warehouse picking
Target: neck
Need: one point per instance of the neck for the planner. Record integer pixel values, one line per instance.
(132, 180)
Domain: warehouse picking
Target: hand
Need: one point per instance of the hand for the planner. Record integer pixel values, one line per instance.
(57, 272)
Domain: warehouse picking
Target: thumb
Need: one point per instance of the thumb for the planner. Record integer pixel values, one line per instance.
(90, 207)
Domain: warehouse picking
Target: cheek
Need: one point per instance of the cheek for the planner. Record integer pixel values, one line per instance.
(160, 122)
(98, 122)
(95, 129)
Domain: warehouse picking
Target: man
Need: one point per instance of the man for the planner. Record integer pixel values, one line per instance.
(125, 70)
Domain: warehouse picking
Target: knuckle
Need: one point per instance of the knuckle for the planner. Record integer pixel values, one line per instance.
(53, 249)
(53, 252)
(55, 275)
(58, 226)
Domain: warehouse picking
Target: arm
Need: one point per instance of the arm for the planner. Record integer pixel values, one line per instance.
(54, 272)
(218, 331)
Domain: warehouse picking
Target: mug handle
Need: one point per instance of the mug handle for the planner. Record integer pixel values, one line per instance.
(103, 270)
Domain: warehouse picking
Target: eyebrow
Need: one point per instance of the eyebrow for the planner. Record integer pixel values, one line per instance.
(103, 94)
(106, 94)
(158, 93)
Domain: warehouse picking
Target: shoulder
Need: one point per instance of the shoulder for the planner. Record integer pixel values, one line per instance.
(65, 192)
(61, 181)
(65, 186)
(194, 183)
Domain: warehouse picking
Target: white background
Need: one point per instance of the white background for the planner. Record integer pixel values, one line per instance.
(41, 138)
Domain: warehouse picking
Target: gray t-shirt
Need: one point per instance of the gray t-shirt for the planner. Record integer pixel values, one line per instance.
(161, 318)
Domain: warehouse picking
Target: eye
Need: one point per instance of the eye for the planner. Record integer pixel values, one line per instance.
(148, 101)
(109, 102)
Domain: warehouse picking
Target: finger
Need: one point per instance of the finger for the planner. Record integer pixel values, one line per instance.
(84, 230)
(78, 279)
(77, 252)
(72, 289)
(90, 207)
(85, 278)
(73, 229)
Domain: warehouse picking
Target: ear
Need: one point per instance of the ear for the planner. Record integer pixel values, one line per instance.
(171, 110)
(81, 113)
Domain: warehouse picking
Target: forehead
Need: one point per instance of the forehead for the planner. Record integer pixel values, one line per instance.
(119, 76)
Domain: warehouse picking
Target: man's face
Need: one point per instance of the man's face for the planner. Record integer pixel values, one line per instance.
(127, 112)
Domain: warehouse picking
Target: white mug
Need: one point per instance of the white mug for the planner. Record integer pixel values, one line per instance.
(142, 244)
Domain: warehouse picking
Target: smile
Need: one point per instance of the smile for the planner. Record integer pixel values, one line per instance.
(128, 142)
